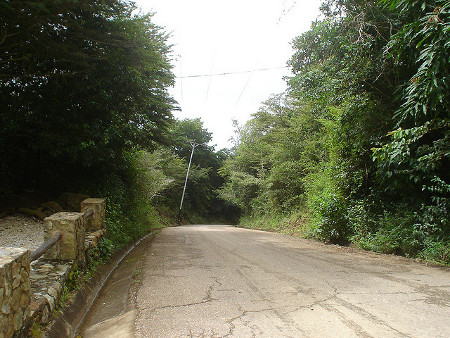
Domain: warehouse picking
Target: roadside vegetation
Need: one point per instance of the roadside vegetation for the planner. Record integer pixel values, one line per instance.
(359, 145)
(84, 108)
(355, 151)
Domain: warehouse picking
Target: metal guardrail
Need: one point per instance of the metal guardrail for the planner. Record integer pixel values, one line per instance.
(45, 246)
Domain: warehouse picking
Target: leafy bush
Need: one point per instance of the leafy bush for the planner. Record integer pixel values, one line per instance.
(438, 252)
(327, 207)
(292, 223)
(131, 195)
(393, 234)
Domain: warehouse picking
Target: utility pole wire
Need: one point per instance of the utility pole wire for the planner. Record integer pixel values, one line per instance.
(230, 73)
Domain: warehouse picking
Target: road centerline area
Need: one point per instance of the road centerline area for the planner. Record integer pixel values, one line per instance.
(225, 281)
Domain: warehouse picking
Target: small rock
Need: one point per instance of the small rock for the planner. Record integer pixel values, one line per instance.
(71, 201)
(33, 212)
(53, 206)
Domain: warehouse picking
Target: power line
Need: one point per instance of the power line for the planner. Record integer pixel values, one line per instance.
(230, 73)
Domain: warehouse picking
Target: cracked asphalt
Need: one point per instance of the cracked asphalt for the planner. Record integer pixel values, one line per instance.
(221, 281)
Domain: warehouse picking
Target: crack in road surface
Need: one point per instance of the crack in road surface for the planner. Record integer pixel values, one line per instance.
(221, 281)
(205, 300)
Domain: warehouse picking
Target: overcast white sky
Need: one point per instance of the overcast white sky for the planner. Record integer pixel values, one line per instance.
(222, 36)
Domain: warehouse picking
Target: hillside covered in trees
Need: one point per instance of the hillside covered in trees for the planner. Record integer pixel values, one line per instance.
(357, 150)
(85, 108)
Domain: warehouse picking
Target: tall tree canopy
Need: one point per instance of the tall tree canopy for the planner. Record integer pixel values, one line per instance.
(201, 198)
(360, 144)
(80, 81)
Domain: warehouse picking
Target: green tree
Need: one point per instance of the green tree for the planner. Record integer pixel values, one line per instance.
(80, 82)
(340, 71)
(277, 148)
(416, 159)
(201, 198)
(365, 69)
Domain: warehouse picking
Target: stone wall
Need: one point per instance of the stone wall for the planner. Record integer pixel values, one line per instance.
(21, 306)
(15, 292)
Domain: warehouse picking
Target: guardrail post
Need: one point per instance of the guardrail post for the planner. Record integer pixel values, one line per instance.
(71, 245)
(98, 205)
(15, 291)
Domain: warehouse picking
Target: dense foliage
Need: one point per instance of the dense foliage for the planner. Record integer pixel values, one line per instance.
(85, 108)
(201, 203)
(146, 192)
(357, 149)
(80, 82)
(360, 142)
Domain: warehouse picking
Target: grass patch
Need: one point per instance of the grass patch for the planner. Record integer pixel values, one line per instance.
(292, 224)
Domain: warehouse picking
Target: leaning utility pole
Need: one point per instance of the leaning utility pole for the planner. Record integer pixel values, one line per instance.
(185, 182)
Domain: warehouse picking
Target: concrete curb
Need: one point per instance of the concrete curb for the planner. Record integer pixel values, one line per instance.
(73, 315)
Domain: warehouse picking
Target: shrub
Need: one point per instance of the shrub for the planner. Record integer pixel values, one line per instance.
(131, 193)
(327, 207)
(438, 252)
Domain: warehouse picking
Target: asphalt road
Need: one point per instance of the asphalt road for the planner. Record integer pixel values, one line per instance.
(220, 281)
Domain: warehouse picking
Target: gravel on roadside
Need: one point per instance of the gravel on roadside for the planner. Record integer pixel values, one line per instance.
(21, 231)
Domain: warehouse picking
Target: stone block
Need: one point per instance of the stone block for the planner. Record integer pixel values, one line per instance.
(15, 292)
(98, 205)
(71, 245)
